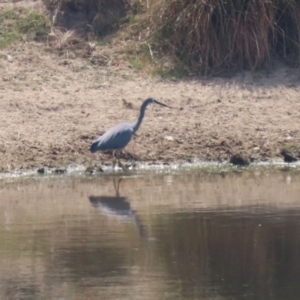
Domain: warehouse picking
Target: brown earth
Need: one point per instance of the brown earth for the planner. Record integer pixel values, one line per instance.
(52, 107)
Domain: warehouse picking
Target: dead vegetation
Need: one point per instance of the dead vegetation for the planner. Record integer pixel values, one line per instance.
(215, 35)
(170, 36)
(100, 17)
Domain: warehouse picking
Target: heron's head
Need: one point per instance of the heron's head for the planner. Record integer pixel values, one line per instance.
(152, 100)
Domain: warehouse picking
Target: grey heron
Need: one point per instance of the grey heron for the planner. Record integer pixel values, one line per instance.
(117, 138)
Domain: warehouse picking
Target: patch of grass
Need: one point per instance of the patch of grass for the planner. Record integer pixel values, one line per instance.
(21, 25)
(133, 53)
(137, 63)
(173, 72)
(35, 26)
(81, 68)
(8, 32)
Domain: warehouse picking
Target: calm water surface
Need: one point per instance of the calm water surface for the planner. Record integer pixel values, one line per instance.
(192, 236)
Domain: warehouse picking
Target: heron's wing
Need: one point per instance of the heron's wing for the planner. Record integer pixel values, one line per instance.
(114, 139)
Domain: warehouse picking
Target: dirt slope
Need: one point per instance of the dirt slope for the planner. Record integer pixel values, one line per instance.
(51, 109)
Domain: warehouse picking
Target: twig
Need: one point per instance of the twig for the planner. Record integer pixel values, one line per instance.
(150, 51)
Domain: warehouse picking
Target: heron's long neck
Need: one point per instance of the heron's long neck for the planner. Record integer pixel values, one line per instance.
(138, 122)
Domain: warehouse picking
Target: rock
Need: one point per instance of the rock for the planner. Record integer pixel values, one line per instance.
(288, 157)
(85, 136)
(89, 170)
(127, 104)
(41, 170)
(59, 171)
(239, 160)
(169, 138)
(99, 169)
(9, 58)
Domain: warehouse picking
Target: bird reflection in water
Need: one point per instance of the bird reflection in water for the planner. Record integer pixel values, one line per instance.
(118, 207)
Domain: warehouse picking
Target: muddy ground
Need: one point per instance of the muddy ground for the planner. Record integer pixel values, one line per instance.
(52, 108)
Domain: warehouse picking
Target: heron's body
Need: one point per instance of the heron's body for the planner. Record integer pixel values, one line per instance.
(117, 138)
(114, 139)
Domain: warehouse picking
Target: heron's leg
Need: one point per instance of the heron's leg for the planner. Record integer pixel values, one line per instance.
(119, 162)
(122, 166)
(114, 160)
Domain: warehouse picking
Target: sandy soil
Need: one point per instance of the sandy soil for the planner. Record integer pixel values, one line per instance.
(52, 108)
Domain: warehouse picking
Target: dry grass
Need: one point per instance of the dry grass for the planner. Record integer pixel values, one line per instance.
(211, 37)
(215, 35)
(170, 36)
(99, 16)
(64, 41)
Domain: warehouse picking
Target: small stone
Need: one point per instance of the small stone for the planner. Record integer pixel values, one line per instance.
(59, 171)
(239, 160)
(9, 58)
(99, 169)
(134, 165)
(127, 104)
(41, 170)
(84, 136)
(288, 157)
(89, 170)
(169, 138)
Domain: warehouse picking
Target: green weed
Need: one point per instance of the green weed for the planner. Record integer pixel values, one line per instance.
(137, 63)
(22, 25)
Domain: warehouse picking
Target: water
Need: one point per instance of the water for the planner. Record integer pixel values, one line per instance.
(190, 236)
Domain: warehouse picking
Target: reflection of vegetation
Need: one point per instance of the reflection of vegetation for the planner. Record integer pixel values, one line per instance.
(84, 261)
(237, 256)
(71, 254)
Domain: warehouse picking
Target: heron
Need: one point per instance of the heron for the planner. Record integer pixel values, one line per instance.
(117, 138)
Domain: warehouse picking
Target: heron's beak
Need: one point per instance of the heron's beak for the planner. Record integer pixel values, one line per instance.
(155, 101)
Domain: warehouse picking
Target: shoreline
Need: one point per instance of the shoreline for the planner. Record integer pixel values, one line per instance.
(157, 169)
